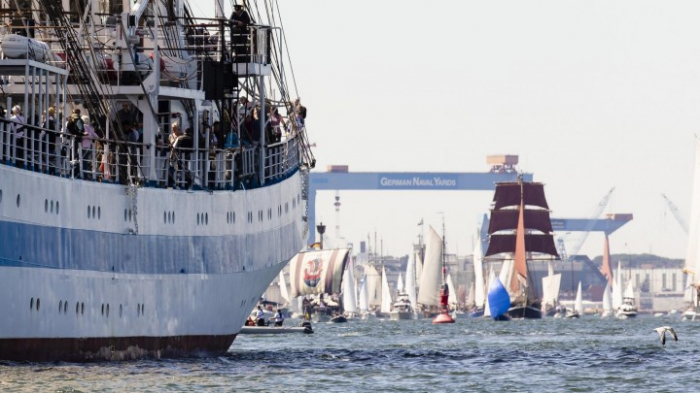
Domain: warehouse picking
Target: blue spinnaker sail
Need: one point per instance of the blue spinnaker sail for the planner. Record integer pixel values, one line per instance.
(499, 300)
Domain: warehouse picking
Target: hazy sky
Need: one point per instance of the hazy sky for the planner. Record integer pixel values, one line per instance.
(590, 94)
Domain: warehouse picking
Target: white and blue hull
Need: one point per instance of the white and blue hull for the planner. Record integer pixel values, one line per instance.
(91, 270)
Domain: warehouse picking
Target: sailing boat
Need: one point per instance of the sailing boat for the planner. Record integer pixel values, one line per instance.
(520, 226)
(578, 304)
(431, 278)
(385, 309)
(479, 292)
(617, 288)
(607, 302)
(403, 308)
(349, 300)
(550, 292)
(319, 274)
(499, 301)
(363, 302)
(627, 309)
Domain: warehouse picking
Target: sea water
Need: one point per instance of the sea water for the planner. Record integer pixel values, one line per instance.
(480, 355)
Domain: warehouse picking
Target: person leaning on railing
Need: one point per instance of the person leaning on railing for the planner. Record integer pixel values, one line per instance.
(18, 130)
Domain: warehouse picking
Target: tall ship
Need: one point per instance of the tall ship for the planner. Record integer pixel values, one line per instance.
(520, 231)
(153, 176)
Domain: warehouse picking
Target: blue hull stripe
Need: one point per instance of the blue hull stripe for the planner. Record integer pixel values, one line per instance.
(27, 245)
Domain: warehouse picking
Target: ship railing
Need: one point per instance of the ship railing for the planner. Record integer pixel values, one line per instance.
(251, 45)
(97, 159)
(54, 152)
(281, 158)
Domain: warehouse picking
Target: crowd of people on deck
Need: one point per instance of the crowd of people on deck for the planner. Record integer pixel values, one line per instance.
(75, 139)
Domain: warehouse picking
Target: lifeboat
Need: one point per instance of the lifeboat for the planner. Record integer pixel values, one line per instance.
(15, 46)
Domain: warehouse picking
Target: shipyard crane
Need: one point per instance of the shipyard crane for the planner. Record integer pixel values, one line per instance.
(676, 213)
(578, 243)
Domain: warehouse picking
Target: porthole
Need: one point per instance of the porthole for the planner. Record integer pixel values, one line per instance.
(142, 308)
(138, 309)
(124, 215)
(103, 309)
(0, 196)
(233, 217)
(56, 207)
(206, 218)
(197, 218)
(93, 212)
(129, 215)
(18, 200)
(88, 211)
(228, 218)
(65, 307)
(120, 311)
(107, 310)
(31, 304)
(165, 218)
(173, 217)
(60, 306)
(51, 204)
(82, 308)
(99, 212)
(77, 308)
(38, 304)
(46, 205)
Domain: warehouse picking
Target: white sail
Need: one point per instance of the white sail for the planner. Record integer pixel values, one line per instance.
(364, 296)
(386, 293)
(607, 301)
(578, 304)
(692, 260)
(411, 280)
(284, 293)
(349, 300)
(399, 284)
(479, 290)
(374, 294)
(550, 289)
(506, 272)
(452, 295)
(431, 278)
(487, 309)
(550, 269)
(617, 288)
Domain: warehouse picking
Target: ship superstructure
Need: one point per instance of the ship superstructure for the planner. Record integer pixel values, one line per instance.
(135, 241)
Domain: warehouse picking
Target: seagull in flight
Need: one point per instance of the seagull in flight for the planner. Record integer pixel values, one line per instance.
(662, 333)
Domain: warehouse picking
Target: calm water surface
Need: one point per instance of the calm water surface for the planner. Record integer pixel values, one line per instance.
(583, 355)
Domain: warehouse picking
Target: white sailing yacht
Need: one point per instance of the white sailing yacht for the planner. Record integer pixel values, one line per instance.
(627, 308)
(607, 302)
(578, 304)
(349, 300)
(431, 276)
(479, 290)
(550, 291)
(385, 308)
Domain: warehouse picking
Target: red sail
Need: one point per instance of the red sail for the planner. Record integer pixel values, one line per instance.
(520, 262)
